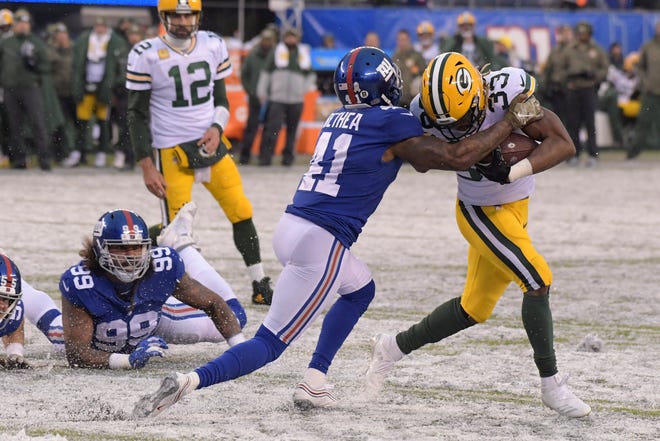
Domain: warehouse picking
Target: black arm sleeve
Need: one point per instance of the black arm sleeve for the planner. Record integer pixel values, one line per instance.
(220, 94)
(138, 122)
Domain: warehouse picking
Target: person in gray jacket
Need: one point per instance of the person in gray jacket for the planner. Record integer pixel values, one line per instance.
(286, 77)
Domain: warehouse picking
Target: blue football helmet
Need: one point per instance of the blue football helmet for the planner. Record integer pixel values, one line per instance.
(367, 76)
(10, 286)
(118, 229)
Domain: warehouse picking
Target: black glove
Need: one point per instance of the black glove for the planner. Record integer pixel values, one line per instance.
(497, 170)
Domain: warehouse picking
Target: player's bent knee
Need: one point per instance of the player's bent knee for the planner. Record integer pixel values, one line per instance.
(542, 291)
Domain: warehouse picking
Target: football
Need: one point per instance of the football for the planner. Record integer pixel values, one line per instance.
(516, 147)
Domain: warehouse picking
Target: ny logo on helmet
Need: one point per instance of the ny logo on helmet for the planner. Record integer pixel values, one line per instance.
(463, 80)
(386, 69)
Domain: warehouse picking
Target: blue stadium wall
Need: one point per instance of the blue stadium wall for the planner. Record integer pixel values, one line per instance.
(532, 30)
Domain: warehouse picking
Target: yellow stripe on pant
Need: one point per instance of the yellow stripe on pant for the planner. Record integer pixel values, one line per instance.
(500, 252)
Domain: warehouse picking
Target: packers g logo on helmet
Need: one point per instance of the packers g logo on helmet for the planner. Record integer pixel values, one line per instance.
(453, 95)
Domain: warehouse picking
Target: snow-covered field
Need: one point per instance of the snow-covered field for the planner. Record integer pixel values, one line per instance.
(598, 228)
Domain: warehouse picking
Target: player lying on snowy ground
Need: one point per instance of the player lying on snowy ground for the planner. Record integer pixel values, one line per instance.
(125, 301)
(19, 300)
(358, 154)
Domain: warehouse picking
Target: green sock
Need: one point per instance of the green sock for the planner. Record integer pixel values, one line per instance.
(247, 241)
(445, 320)
(537, 320)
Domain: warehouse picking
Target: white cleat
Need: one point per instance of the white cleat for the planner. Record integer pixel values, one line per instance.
(305, 397)
(172, 389)
(178, 234)
(72, 160)
(557, 396)
(100, 160)
(382, 362)
(120, 159)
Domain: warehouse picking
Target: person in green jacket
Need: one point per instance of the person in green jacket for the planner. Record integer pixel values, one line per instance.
(649, 72)
(23, 64)
(479, 50)
(95, 56)
(252, 66)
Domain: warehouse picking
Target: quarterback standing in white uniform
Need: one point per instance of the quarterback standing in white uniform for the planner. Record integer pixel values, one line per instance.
(492, 214)
(178, 105)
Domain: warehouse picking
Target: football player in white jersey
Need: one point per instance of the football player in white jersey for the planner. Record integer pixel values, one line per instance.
(178, 105)
(492, 214)
(358, 154)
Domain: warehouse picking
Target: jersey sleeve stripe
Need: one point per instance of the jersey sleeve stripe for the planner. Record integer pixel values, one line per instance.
(530, 85)
(137, 77)
(224, 66)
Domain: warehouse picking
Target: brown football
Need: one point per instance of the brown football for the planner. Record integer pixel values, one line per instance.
(516, 147)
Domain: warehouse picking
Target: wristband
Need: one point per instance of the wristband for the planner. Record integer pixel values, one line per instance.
(119, 361)
(221, 117)
(14, 349)
(520, 170)
(236, 339)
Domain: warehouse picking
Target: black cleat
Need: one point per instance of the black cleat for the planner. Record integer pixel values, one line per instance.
(262, 293)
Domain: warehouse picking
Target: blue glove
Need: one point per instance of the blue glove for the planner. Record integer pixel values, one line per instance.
(150, 347)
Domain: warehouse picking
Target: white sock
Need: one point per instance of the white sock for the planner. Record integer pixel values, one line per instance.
(256, 272)
(314, 378)
(392, 348)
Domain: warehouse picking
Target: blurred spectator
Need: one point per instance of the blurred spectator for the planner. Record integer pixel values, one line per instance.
(23, 64)
(372, 39)
(329, 41)
(615, 55)
(251, 68)
(60, 53)
(479, 50)
(286, 77)
(553, 75)
(124, 157)
(504, 53)
(585, 64)
(411, 63)
(617, 97)
(6, 23)
(95, 56)
(649, 75)
(426, 43)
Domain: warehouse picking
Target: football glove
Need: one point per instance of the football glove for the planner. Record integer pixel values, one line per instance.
(497, 170)
(150, 347)
(524, 110)
(14, 361)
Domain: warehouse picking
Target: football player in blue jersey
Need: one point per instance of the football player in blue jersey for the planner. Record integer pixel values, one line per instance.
(492, 214)
(19, 300)
(358, 154)
(11, 316)
(115, 301)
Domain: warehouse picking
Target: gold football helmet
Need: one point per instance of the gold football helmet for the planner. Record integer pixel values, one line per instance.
(184, 7)
(453, 95)
(6, 18)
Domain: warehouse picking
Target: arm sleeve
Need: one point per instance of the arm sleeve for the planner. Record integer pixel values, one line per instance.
(220, 94)
(138, 122)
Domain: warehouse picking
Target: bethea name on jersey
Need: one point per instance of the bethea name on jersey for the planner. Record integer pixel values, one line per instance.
(344, 120)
